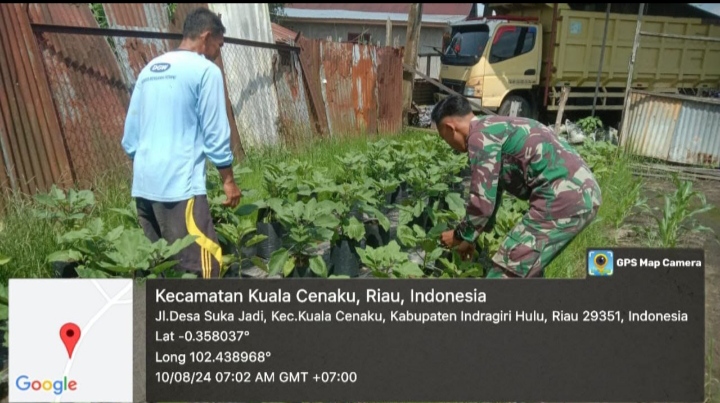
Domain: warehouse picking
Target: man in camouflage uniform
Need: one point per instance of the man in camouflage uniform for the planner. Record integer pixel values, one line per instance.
(526, 159)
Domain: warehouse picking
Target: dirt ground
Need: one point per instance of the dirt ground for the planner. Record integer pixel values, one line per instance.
(711, 189)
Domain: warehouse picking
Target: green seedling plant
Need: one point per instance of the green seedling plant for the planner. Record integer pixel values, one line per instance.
(629, 203)
(353, 165)
(308, 224)
(389, 262)
(120, 252)
(236, 236)
(353, 201)
(67, 210)
(677, 217)
(427, 242)
(216, 196)
(456, 267)
(590, 124)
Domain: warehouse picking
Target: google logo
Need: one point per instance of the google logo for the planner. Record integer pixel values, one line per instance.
(59, 386)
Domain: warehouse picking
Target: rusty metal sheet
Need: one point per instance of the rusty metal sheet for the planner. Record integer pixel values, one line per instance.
(310, 62)
(337, 85)
(673, 128)
(33, 153)
(364, 79)
(135, 53)
(88, 90)
(295, 127)
(389, 85)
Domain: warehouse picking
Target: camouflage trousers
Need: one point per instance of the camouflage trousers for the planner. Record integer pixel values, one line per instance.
(530, 247)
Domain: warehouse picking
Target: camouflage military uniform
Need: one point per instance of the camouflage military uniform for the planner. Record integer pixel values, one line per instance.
(526, 159)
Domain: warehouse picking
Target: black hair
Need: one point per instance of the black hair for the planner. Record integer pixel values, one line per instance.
(200, 20)
(453, 105)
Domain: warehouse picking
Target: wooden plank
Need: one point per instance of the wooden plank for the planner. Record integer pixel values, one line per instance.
(563, 100)
(447, 89)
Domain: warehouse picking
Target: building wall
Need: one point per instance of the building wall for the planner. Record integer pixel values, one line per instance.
(429, 37)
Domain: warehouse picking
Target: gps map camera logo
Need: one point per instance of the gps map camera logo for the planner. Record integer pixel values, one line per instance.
(600, 263)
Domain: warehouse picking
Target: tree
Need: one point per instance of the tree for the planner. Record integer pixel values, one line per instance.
(277, 10)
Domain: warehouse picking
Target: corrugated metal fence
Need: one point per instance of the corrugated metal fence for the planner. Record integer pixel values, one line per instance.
(64, 91)
(673, 128)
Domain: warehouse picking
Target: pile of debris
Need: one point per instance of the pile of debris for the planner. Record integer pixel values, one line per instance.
(575, 135)
(420, 116)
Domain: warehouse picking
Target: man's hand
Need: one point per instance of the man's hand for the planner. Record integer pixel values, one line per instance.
(233, 194)
(448, 239)
(466, 250)
(231, 189)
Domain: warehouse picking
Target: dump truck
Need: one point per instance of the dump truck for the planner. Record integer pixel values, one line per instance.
(519, 63)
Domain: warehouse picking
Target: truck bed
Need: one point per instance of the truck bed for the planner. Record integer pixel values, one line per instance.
(662, 64)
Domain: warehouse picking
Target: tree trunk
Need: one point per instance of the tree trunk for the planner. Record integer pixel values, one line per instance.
(410, 56)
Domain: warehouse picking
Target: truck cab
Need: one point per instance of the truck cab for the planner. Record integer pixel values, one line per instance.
(494, 61)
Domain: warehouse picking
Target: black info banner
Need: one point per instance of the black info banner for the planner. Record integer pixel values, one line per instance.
(631, 331)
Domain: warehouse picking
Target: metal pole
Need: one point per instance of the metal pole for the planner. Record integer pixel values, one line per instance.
(631, 66)
(602, 56)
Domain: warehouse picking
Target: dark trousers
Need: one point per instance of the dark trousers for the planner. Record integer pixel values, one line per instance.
(173, 221)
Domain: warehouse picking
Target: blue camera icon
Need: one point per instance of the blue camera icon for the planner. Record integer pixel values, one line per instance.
(601, 263)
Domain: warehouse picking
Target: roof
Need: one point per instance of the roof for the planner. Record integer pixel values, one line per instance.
(282, 34)
(401, 8)
(433, 13)
(712, 8)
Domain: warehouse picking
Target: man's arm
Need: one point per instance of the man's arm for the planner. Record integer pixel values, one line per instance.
(132, 123)
(216, 131)
(485, 163)
(213, 119)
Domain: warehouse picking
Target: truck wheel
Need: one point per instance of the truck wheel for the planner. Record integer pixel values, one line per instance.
(524, 111)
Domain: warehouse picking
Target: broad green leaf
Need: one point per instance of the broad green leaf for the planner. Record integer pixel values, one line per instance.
(419, 231)
(354, 230)
(434, 255)
(189, 275)
(409, 269)
(277, 261)
(65, 256)
(246, 209)
(436, 231)
(74, 236)
(91, 273)
(339, 276)
(179, 245)
(113, 235)
(406, 236)
(309, 210)
(3, 312)
(4, 259)
(456, 204)
(95, 226)
(317, 265)
(258, 262)
(327, 221)
(289, 267)
(162, 267)
(255, 240)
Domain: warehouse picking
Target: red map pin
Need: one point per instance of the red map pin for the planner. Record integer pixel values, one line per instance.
(70, 334)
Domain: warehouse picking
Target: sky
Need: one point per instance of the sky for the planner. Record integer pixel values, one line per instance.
(712, 7)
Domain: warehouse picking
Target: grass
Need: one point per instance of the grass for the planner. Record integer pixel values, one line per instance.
(614, 183)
